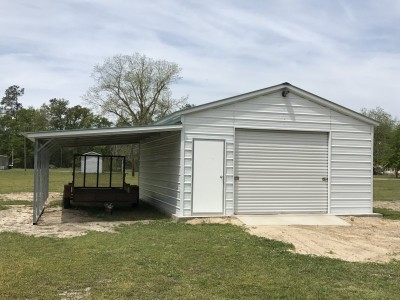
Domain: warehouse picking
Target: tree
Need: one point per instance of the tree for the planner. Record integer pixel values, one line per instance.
(81, 117)
(135, 88)
(12, 142)
(382, 133)
(9, 125)
(56, 112)
(63, 117)
(392, 155)
(9, 102)
(187, 106)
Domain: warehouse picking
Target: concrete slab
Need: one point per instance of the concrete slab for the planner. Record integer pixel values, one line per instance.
(303, 219)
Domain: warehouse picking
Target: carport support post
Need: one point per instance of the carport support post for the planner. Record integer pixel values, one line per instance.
(25, 153)
(41, 177)
(36, 180)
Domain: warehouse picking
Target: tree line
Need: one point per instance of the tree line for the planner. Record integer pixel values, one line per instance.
(386, 140)
(128, 90)
(56, 114)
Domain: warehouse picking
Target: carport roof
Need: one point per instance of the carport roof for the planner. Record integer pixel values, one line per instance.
(100, 136)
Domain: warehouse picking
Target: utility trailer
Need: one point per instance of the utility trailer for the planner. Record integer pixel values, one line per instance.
(99, 180)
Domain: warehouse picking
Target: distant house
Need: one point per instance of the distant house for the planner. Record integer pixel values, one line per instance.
(89, 161)
(3, 162)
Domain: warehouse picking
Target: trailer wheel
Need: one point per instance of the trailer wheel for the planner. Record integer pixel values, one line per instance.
(66, 203)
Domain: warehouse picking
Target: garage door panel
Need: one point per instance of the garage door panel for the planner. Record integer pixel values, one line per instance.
(280, 172)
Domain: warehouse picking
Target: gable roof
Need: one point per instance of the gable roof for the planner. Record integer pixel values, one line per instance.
(92, 153)
(175, 117)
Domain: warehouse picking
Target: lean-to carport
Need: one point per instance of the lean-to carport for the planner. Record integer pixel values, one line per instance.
(48, 142)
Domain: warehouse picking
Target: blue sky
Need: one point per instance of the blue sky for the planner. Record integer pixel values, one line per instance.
(345, 51)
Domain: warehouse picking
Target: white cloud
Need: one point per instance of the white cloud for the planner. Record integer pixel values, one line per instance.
(344, 51)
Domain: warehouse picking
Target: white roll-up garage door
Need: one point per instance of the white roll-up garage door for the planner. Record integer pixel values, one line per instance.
(281, 172)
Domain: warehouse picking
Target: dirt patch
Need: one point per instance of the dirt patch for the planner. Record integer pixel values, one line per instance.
(225, 220)
(55, 222)
(77, 294)
(368, 239)
(28, 196)
(394, 205)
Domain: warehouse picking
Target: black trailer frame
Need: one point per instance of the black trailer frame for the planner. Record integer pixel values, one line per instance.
(80, 191)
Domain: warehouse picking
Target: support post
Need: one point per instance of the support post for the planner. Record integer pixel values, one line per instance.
(25, 153)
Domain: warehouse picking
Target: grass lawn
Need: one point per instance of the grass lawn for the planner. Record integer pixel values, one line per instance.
(167, 260)
(18, 180)
(387, 188)
(388, 213)
(5, 203)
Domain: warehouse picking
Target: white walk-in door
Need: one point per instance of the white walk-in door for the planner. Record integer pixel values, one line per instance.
(208, 177)
(281, 172)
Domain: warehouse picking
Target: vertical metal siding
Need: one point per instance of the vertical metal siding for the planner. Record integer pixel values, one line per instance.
(160, 166)
(351, 179)
(351, 143)
(281, 172)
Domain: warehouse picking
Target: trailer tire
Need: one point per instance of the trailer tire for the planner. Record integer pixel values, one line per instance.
(66, 203)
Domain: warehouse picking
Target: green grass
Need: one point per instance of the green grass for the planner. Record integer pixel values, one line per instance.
(166, 260)
(4, 204)
(389, 176)
(18, 180)
(386, 189)
(104, 179)
(388, 213)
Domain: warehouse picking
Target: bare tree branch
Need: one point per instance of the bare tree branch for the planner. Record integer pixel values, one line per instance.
(134, 88)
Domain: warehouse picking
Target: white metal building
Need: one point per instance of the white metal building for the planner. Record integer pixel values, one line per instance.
(275, 150)
(3, 162)
(89, 162)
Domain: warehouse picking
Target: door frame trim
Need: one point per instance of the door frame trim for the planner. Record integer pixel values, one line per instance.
(223, 178)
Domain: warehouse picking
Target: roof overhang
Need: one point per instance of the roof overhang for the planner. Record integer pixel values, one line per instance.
(100, 136)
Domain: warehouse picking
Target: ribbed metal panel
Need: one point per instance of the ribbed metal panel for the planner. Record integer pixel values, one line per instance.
(280, 172)
(350, 139)
(159, 172)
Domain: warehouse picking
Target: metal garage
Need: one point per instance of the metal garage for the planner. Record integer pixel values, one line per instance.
(285, 150)
(276, 150)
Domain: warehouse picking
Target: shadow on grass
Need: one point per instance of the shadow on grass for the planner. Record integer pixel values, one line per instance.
(140, 212)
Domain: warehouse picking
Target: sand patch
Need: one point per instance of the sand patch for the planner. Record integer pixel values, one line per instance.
(218, 220)
(55, 222)
(28, 196)
(76, 294)
(394, 205)
(368, 239)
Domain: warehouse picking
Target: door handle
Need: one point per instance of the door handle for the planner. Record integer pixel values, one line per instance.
(236, 178)
(324, 178)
